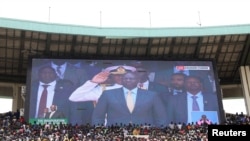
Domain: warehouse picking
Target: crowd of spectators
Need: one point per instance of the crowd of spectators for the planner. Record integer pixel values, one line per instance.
(13, 127)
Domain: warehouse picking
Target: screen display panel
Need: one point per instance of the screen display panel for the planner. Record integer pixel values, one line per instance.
(84, 91)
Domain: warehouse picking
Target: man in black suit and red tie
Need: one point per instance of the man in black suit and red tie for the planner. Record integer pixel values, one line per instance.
(49, 90)
(180, 107)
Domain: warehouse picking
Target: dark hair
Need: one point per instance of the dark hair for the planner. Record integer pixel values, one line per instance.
(195, 77)
(179, 73)
(45, 67)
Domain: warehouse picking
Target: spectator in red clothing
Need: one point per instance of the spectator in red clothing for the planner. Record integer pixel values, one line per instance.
(21, 119)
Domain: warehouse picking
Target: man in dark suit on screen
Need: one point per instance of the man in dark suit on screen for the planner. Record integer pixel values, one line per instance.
(147, 84)
(129, 105)
(180, 107)
(67, 71)
(54, 113)
(57, 92)
(78, 75)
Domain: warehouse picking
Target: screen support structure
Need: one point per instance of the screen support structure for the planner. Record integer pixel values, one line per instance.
(23, 92)
(245, 80)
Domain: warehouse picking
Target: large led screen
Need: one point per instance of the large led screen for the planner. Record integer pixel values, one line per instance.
(111, 92)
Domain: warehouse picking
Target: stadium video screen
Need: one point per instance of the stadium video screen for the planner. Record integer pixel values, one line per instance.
(79, 91)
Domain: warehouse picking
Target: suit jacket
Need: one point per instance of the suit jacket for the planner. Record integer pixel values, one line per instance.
(76, 75)
(161, 90)
(80, 112)
(56, 115)
(148, 109)
(63, 89)
(177, 108)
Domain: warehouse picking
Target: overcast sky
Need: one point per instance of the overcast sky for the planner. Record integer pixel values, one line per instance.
(130, 13)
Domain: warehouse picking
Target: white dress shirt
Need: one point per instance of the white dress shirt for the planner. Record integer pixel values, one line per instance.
(50, 96)
(51, 114)
(145, 85)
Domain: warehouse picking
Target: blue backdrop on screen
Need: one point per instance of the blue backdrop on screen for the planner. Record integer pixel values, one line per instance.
(75, 95)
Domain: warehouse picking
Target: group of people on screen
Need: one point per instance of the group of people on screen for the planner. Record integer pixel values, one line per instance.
(131, 92)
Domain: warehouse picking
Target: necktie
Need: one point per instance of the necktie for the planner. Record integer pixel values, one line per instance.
(43, 100)
(195, 104)
(59, 72)
(130, 101)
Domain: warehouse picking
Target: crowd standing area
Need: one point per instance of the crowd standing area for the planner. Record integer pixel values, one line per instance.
(13, 127)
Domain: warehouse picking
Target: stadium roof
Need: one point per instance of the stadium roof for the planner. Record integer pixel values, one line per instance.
(227, 46)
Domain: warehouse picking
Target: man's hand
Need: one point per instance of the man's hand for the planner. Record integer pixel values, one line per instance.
(100, 77)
